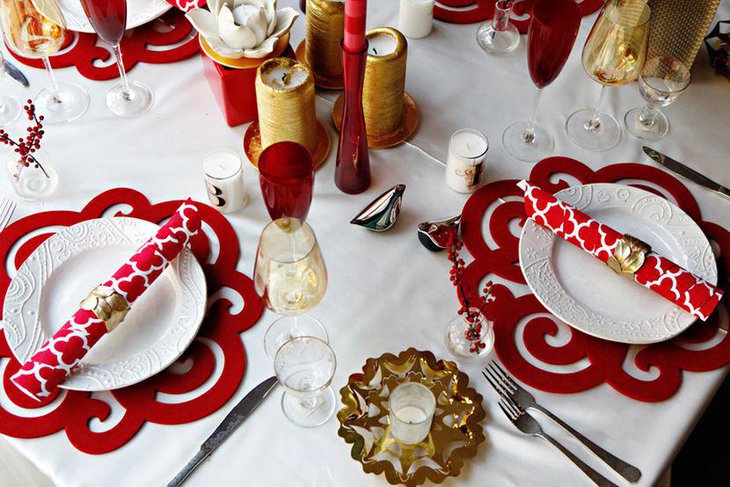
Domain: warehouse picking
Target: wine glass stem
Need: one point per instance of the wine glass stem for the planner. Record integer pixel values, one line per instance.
(595, 122)
(502, 10)
(52, 75)
(120, 65)
(648, 116)
(528, 136)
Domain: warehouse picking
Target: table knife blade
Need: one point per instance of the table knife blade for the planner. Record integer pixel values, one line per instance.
(16, 74)
(233, 420)
(686, 172)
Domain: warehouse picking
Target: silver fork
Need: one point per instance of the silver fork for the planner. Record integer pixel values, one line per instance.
(528, 425)
(505, 385)
(7, 208)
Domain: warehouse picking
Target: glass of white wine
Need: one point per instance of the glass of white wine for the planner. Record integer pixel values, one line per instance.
(37, 29)
(613, 55)
(291, 278)
(661, 82)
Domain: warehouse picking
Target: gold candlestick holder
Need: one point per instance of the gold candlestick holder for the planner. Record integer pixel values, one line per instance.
(286, 111)
(320, 49)
(391, 114)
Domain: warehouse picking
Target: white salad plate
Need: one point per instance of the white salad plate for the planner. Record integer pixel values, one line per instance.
(139, 12)
(584, 293)
(49, 286)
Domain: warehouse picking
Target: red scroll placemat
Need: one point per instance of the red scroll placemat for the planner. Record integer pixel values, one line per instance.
(473, 11)
(524, 328)
(71, 410)
(168, 39)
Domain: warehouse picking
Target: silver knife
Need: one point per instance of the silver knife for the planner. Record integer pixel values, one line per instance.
(686, 172)
(16, 74)
(233, 420)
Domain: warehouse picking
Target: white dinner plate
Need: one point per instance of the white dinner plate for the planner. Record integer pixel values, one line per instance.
(51, 283)
(587, 295)
(138, 12)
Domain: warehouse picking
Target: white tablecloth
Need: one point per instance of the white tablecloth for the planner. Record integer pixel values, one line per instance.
(386, 293)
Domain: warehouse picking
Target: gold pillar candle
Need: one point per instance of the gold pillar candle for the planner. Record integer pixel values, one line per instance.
(286, 105)
(324, 31)
(385, 80)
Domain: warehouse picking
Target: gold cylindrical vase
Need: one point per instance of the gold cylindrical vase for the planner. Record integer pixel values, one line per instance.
(384, 86)
(324, 31)
(286, 105)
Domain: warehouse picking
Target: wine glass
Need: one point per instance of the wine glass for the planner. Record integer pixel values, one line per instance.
(109, 19)
(305, 367)
(550, 38)
(661, 82)
(613, 56)
(291, 278)
(9, 105)
(286, 174)
(499, 36)
(33, 33)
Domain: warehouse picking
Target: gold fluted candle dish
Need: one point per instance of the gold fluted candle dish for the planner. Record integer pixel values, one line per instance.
(320, 49)
(391, 114)
(286, 110)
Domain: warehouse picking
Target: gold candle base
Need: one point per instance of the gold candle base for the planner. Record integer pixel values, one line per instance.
(321, 81)
(409, 122)
(252, 144)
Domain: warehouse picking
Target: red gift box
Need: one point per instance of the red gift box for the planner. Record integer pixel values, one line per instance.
(233, 80)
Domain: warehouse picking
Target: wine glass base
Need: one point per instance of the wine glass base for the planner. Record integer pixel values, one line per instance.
(299, 413)
(289, 327)
(514, 142)
(495, 41)
(600, 139)
(129, 104)
(460, 347)
(655, 131)
(65, 105)
(9, 110)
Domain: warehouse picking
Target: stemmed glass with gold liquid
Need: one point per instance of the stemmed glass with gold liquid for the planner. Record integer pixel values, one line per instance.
(36, 29)
(291, 277)
(613, 56)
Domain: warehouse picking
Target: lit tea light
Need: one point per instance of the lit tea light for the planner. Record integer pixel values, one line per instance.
(465, 161)
(224, 180)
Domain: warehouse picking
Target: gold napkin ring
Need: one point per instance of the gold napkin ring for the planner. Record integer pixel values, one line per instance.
(628, 256)
(108, 305)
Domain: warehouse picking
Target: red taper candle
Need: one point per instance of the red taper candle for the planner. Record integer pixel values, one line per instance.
(355, 16)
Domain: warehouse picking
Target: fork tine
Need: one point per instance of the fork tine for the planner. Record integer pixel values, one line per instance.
(4, 211)
(504, 373)
(501, 377)
(506, 413)
(511, 407)
(514, 403)
(492, 382)
(501, 389)
(7, 215)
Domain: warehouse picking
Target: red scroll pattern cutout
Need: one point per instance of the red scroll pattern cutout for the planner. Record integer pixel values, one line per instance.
(74, 410)
(168, 39)
(473, 11)
(522, 319)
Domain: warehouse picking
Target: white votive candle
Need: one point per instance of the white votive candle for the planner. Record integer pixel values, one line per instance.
(465, 161)
(412, 406)
(415, 18)
(223, 171)
(382, 44)
(285, 77)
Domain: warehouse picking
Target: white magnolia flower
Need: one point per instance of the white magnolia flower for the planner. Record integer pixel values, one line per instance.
(242, 28)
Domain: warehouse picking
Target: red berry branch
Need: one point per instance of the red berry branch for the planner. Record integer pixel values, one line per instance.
(473, 332)
(25, 147)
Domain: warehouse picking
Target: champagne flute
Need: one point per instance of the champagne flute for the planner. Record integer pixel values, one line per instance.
(550, 38)
(109, 19)
(9, 105)
(291, 277)
(613, 55)
(37, 29)
(661, 82)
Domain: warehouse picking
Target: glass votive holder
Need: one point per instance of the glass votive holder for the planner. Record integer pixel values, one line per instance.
(412, 406)
(223, 170)
(465, 161)
(470, 336)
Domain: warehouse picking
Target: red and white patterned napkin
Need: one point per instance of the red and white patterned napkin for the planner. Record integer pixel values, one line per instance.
(658, 273)
(55, 360)
(186, 5)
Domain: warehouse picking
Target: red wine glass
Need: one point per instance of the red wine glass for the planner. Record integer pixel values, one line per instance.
(109, 19)
(286, 174)
(550, 38)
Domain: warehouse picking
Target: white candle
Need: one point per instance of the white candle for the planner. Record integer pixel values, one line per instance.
(465, 161)
(382, 44)
(224, 180)
(412, 406)
(415, 18)
(284, 77)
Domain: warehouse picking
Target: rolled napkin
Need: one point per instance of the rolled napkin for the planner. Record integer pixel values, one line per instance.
(106, 306)
(623, 253)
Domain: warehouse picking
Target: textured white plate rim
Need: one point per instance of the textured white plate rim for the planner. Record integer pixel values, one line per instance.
(195, 275)
(686, 318)
(139, 12)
